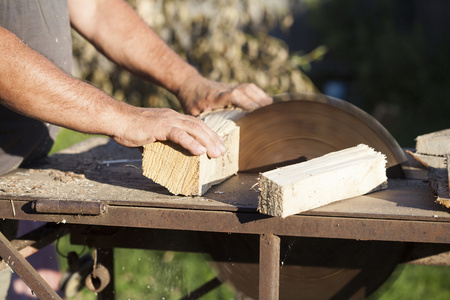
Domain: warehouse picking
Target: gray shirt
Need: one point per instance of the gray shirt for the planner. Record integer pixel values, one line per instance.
(44, 26)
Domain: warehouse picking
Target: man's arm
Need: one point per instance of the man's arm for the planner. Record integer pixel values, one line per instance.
(117, 31)
(33, 86)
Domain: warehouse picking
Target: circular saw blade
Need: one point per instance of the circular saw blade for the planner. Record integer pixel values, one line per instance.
(303, 126)
(311, 268)
(298, 127)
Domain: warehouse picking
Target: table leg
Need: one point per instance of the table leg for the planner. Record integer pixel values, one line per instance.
(25, 271)
(106, 257)
(269, 266)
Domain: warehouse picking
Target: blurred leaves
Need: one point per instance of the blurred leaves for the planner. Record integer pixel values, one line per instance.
(226, 40)
(384, 50)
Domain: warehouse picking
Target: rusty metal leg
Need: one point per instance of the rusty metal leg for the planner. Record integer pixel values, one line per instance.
(35, 240)
(269, 266)
(25, 271)
(106, 257)
(203, 290)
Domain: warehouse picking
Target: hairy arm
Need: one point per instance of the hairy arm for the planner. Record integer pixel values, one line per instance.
(33, 86)
(117, 31)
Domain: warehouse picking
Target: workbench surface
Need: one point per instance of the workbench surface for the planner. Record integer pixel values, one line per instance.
(101, 170)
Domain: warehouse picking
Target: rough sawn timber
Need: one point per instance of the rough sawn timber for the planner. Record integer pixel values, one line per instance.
(435, 143)
(335, 176)
(433, 151)
(182, 173)
(433, 161)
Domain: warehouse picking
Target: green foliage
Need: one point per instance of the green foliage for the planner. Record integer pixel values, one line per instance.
(163, 275)
(410, 282)
(149, 274)
(67, 138)
(225, 40)
(389, 65)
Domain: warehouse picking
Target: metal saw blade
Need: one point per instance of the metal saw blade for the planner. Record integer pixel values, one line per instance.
(311, 268)
(295, 128)
(303, 126)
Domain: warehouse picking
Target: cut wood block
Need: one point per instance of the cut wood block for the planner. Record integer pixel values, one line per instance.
(433, 151)
(439, 162)
(182, 173)
(335, 176)
(435, 143)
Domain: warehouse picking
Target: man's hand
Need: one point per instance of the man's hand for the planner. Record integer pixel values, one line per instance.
(140, 126)
(107, 25)
(198, 94)
(44, 92)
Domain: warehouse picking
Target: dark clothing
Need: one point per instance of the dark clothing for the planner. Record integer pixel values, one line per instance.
(44, 26)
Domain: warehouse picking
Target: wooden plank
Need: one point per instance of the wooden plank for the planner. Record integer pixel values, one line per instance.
(435, 143)
(335, 176)
(181, 173)
(433, 151)
(433, 161)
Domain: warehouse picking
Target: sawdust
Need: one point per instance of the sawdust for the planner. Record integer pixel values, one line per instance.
(102, 170)
(35, 182)
(69, 174)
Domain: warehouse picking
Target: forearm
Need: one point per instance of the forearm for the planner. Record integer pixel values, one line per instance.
(33, 86)
(119, 33)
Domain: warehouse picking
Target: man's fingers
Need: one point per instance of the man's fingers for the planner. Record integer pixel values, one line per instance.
(262, 98)
(186, 141)
(207, 137)
(147, 125)
(249, 96)
(240, 99)
(197, 138)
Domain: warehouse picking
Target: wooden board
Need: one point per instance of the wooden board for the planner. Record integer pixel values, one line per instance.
(173, 167)
(433, 151)
(107, 172)
(433, 161)
(335, 176)
(435, 143)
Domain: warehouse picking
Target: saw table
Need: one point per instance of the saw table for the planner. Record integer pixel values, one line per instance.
(96, 191)
(101, 193)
